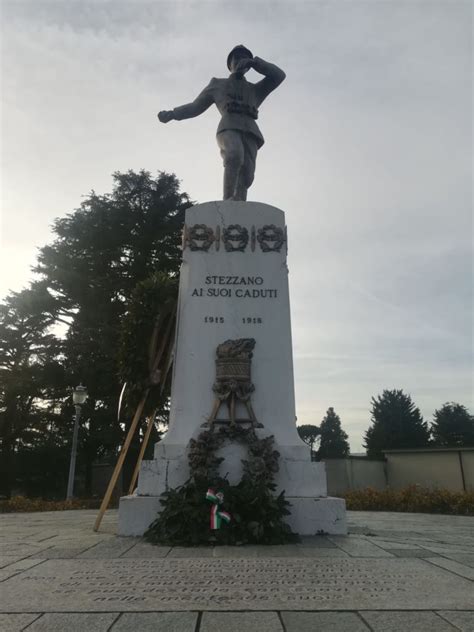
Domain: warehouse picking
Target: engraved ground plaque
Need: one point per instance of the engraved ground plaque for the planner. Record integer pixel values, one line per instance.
(234, 584)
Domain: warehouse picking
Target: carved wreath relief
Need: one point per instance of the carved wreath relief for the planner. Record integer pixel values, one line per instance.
(271, 238)
(233, 383)
(235, 238)
(199, 237)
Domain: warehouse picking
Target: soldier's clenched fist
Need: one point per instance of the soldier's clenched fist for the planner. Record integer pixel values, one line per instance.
(165, 116)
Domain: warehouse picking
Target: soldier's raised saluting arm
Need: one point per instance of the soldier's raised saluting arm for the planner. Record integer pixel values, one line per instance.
(273, 77)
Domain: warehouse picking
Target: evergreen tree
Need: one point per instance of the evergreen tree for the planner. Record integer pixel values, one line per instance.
(396, 423)
(309, 434)
(87, 279)
(334, 444)
(453, 425)
(31, 378)
(102, 251)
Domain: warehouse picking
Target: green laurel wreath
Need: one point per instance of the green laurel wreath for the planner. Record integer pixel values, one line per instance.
(257, 512)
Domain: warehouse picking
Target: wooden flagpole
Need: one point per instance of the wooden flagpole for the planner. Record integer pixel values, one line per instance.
(121, 459)
(155, 379)
(162, 377)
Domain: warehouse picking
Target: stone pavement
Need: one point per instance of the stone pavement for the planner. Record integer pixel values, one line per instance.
(392, 572)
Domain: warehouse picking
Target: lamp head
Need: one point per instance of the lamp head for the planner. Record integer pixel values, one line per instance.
(79, 395)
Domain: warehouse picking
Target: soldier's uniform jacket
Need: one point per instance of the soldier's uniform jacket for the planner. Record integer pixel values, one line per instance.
(236, 99)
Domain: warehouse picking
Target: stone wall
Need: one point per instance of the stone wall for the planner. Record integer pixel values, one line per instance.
(354, 473)
(443, 468)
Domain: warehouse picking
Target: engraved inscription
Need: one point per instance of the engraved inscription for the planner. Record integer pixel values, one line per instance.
(251, 584)
(219, 286)
(221, 580)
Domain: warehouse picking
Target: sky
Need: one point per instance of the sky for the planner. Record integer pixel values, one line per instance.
(368, 151)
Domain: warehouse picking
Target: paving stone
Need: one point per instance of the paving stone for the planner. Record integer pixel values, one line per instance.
(21, 550)
(312, 621)
(145, 551)
(75, 541)
(238, 621)
(283, 550)
(397, 621)
(319, 541)
(189, 578)
(44, 537)
(358, 547)
(457, 556)
(463, 558)
(393, 544)
(307, 551)
(421, 553)
(6, 574)
(462, 541)
(63, 553)
(235, 552)
(240, 552)
(359, 530)
(173, 584)
(16, 622)
(111, 548)
(6, 560)
(464, 621)
(191, 551)
(25, 564)
(455, 567)
(73, 622)
(443, 549)
(156, 622)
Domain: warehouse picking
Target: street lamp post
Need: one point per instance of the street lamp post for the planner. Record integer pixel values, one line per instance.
(79, 396)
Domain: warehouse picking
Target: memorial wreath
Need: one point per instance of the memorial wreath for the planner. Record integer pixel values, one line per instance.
(257, 511)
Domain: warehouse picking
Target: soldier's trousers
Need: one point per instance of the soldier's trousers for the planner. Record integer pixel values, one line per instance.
(239, 153)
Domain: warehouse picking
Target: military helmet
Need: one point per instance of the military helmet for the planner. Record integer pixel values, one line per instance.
(240, 48)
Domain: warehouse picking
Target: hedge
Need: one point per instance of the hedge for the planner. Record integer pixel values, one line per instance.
(411, 499)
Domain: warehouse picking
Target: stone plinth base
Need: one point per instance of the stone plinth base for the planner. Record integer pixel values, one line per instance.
(136, 513)
(313, 516)
(297, 476)
(309, 516)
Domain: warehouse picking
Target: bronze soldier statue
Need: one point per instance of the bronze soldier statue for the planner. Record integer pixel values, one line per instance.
(237, 100)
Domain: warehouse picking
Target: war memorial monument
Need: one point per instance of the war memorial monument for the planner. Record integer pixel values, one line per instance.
(233, 374)
(233, 361)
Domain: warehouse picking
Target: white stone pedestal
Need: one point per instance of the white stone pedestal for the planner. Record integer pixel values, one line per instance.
(234, 284)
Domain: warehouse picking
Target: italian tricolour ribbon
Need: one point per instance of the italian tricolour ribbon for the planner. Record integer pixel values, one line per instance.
(217, 515)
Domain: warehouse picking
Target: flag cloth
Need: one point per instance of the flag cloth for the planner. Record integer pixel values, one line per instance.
(217, 515)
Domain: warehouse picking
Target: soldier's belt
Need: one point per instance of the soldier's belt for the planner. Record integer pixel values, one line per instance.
(233, 107)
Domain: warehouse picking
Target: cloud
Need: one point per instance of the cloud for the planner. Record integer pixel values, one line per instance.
(368, 152)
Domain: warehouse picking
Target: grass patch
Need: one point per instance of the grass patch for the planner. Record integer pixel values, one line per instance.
(412, 499)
